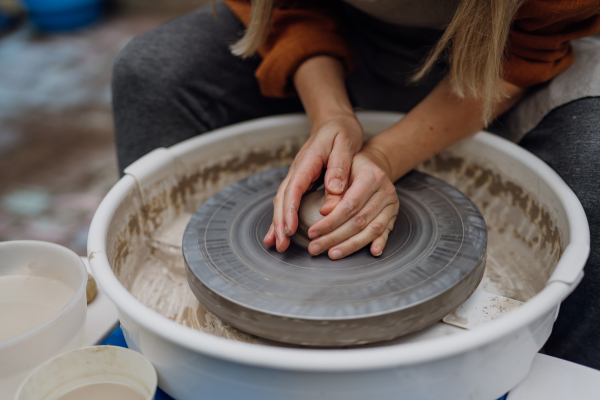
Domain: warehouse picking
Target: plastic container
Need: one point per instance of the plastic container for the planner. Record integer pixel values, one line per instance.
(538, 244)
(89, 366)
(63, 15)
(64, 331)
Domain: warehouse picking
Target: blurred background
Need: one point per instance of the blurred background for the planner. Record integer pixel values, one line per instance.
(57, 153)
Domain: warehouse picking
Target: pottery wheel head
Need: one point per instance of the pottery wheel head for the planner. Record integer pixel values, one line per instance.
(433, 261)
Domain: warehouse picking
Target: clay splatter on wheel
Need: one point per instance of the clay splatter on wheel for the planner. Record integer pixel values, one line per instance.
(433, 261)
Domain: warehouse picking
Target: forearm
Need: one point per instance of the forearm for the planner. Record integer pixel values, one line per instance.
(319, 82)
(436, 123)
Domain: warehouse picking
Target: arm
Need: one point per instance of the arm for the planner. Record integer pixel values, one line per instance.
(299, 31)
(436, 123)
(336, 136)
(368, 210)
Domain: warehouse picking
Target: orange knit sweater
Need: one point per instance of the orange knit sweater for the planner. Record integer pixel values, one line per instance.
(537, 50)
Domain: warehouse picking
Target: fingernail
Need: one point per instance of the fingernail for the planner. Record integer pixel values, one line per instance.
(377, 251)
(335, 254)
(285, 231)
(336, 184)
(313, 234)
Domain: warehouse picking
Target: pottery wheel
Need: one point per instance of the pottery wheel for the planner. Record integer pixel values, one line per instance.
(433, 261)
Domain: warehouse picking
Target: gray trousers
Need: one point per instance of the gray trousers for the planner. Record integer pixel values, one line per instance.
(180, 80)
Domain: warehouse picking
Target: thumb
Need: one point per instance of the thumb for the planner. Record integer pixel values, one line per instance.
(338, 168)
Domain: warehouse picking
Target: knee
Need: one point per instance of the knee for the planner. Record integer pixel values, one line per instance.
(135, 70)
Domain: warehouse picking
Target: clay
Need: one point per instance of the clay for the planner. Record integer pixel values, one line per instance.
(91, 289)
(308, 214)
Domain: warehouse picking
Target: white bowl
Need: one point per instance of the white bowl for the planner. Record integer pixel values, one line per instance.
(64, 331)
(538, 243)
(88, 366)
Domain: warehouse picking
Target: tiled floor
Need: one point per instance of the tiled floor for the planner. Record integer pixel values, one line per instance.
(57, 156)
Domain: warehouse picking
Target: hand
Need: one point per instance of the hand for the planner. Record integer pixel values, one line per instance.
(332, 145)
(366, 213)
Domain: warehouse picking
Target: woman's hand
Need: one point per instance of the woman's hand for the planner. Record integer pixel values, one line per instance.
(336, 137)
(366, 213)
(332, 145)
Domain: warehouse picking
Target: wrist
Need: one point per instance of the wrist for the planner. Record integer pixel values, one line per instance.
(344, 129)
(320, 84)
(378, 156)
(332, 112)
(344, 117)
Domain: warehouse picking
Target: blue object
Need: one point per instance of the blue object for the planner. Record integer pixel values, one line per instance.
(116, 338)
(63, 15)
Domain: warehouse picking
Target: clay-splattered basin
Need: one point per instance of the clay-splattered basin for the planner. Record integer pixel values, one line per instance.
(538, 244)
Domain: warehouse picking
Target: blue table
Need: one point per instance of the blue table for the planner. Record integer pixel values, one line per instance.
(117, 339)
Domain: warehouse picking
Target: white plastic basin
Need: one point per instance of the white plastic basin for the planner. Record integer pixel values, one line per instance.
(538, 245)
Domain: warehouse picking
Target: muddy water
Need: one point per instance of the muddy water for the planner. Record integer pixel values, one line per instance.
(27, 302)
(103, 391)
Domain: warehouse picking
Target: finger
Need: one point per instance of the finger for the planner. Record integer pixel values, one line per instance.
(331, 200)
(307, 171)
(338, 166)
(374, 230)
(379, 244)
(377, 204)
(353, 201)
(282, 241)
(269, 239)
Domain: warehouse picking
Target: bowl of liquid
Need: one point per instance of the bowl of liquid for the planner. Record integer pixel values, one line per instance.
(92, 373)
(42, 307)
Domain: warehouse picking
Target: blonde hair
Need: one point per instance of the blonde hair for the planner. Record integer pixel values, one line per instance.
(473, 44)
(258, 29)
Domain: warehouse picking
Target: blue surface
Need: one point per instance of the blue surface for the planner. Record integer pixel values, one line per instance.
(116, 338)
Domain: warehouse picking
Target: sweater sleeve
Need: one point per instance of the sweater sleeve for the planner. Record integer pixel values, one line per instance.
(299, 30)
(539, 43)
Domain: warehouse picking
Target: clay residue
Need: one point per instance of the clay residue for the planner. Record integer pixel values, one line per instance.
(497, 185)
(189, 184)
(524, 243)
(124, 239)
(124, 242)
(500, 305)
(153, 210)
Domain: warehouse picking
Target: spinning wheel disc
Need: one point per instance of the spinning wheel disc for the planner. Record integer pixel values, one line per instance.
(433, 261)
